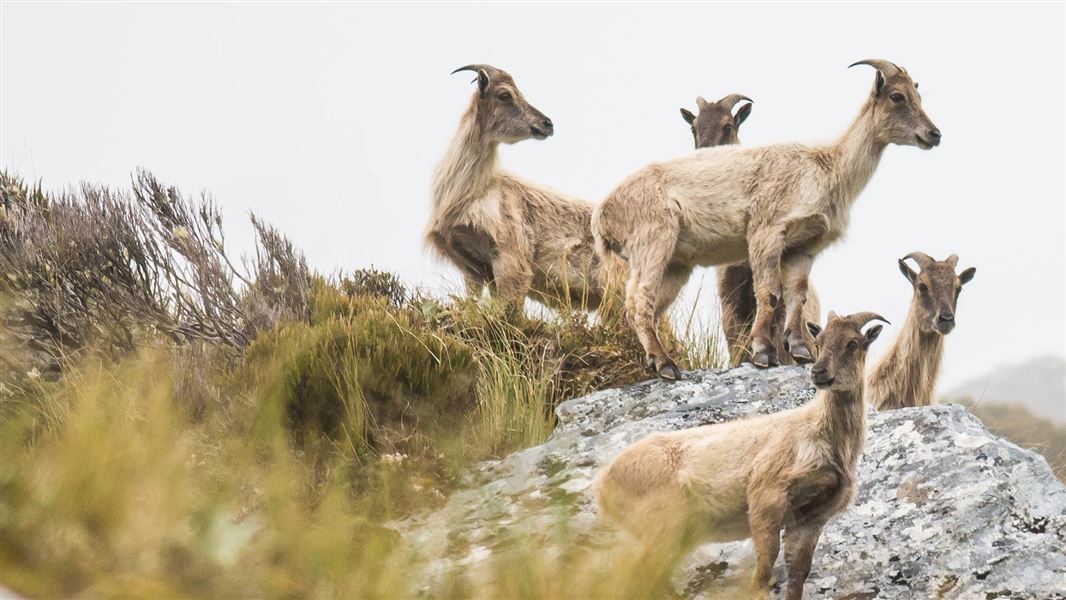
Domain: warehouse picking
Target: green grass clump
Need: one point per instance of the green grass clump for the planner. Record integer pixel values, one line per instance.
(361, 373)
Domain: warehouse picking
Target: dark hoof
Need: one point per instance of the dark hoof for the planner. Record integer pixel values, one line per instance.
(669, 371)
(800, 353)
(764, 358)
(761, 360)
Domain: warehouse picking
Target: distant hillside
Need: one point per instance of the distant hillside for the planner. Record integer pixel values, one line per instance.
(1038, 384)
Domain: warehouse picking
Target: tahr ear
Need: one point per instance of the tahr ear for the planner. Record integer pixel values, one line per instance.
(907, 272)
(967, 275)
(871, 335)
(482, 82)
(742, 114)
(879, 83)
(814, 329)
(687, 115)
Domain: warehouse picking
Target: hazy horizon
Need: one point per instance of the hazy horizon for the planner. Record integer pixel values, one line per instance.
(328, 119)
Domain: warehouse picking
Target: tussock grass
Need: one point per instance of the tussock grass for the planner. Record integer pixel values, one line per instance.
(702, 342)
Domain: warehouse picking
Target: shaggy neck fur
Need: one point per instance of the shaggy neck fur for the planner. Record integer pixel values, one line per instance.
(467, 170)
(839, 418)
(907, 374)
(855, 157)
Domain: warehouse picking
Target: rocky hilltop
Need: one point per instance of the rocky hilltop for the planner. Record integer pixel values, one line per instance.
(945, 509)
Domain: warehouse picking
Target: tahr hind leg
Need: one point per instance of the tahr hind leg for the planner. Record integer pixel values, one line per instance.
(797, 269)
(647, 268)
(765, 247)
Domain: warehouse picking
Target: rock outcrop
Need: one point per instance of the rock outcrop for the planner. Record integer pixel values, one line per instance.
(945, 509)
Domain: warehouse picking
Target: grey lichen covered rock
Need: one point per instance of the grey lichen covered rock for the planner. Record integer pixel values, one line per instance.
(945, 508)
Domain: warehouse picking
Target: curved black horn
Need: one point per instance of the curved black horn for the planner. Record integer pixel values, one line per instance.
(490, 72)
(887, 68)
(731, 100)
(475, 68)
(862, 318)
(921, 258)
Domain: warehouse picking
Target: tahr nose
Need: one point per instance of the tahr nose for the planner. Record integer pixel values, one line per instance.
(934, 134)
(946, 317)
(819, 371)
(548, 124)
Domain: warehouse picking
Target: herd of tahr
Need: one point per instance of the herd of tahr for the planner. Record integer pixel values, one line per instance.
(761, 215)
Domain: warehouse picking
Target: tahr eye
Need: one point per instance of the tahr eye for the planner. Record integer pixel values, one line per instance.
(897, 97)
(924, 289)
(852, 345)
(505, 96)
(728, 128)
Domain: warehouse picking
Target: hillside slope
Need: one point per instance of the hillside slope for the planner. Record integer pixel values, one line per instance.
(1038, 384)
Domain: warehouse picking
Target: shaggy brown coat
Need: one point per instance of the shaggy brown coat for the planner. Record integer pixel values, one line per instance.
(714, 124)
(777, 206)
(906, 375)
(791, 470)
(515, 237)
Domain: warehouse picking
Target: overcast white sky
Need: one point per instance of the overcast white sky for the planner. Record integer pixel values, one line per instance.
(328, 119)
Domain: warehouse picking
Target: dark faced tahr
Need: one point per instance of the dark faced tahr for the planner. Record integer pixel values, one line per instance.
(936, 290)
(840, 349)
(715, 123)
